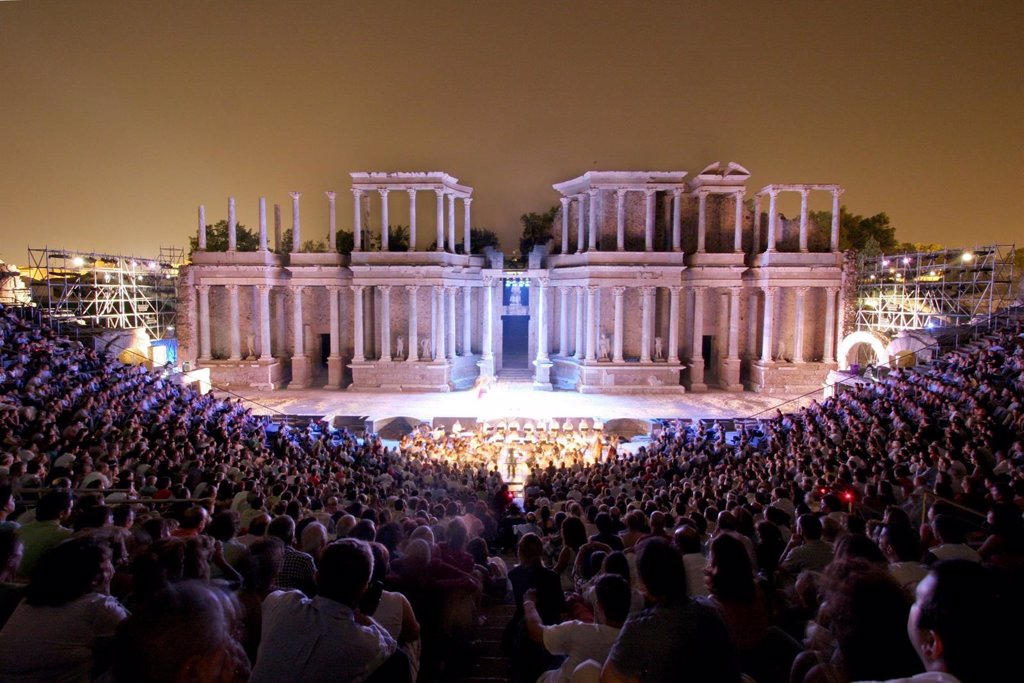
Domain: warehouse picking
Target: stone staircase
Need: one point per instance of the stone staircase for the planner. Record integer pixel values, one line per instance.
(491, 665)
(515, 375)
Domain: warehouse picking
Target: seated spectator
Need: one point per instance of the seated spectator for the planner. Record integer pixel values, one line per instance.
(11, 592)
(806, 550)
(606, 532)
(45, 532)
(298, 567)
(185, 632)
(900, 544)
(63, 629)
(392, 610)
(580, 641)
(677, 638)
(687, 541)
(529, 659)
(951, 541)
(1004, 547)
(326, 638)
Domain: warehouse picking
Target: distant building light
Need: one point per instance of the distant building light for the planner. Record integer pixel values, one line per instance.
(906, 260)
(885, 262)
(78, 261)
(967, 256)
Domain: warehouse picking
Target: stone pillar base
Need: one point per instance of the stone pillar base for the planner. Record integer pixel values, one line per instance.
(335, 368)
(729, 375)
(695, 382)
(300, 373)
(486, 366)
(542, 378)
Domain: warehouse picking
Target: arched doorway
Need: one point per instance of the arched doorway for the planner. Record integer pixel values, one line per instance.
(862, 348)
(515, 342)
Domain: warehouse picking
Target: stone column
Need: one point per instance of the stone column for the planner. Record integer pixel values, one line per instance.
(385, 219)
(646, 316)
(413, 336)
(385, 322)
(829, 355)
(332, 223)
(591, 315)
(488, 350)
(565, 201)
(835, 219)
(563, 322)
(334, 365)
(202, 228)
(579, 350)
(235, 331)
(263, 224)
(451, 234)
(673, 325)
(649, 220)
(542, 324)
(265, 350)
(803, 219)
(619, 293)
(798, 341)
(300, 362)
(204, 322)
(467, 247)
(440, 219)
(702, 225)
(358, 335)
(729, 366)
(676, 224)
(439, 325)
(451, 337)
(467, 326)
(773, 218)
(357, 235)
(593, 219)
(580, 232)
(296, 225)
(697, 343)
(620, 220)
(737, 240)
(433, 324)
(232, 226)
(766, 330)
(412, 235)
(757, 224)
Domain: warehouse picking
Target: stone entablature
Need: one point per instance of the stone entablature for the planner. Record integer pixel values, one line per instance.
(727, 311)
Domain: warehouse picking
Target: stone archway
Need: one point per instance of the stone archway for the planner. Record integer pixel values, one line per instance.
(851, 341)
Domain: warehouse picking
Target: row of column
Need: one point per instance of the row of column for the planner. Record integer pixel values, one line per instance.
(587, 336)
(774, 234)
(589, 198)
(361, 195)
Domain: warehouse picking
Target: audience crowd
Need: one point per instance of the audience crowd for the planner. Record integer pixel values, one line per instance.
(149, 532)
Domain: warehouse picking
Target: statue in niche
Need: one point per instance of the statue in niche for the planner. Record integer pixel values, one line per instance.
(515, 297)
(250, 345)
(659, 350)
(399, 346)
(425, 349)
(603, 349)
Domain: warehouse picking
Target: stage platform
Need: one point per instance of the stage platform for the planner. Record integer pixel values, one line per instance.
(511, 400)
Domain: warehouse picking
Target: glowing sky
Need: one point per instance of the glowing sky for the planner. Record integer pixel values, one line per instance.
(120, 117)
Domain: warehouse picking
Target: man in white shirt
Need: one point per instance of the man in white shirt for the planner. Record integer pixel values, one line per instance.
(326, 638)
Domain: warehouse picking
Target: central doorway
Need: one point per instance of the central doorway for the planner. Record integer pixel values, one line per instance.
(515, 342)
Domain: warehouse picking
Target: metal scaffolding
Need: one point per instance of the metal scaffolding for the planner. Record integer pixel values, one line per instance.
(933, 289)
(88, 292)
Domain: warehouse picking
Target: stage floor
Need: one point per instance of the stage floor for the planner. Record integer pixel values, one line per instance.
(518, 400)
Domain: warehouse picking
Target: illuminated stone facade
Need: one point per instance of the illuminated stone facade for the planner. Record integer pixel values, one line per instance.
(653, 283)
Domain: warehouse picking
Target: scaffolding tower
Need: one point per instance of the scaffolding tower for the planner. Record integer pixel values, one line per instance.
(933, 289)
(87, 292)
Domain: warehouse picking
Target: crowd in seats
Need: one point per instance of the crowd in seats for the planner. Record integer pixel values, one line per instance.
(148, 532)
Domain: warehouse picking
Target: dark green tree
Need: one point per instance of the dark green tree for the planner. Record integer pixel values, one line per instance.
(480, 238)
(537, 229)
(855, 231)
(217, 238)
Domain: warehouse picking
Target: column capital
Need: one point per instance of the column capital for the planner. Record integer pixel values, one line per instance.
(675, 289)
(773, 192)
(438, 288)
(357, 289)
(699, 289)
(298, 289)
(618, 291)
(383, 191)
(357, 193)
(703, 192)
(451, 199)
(593, 192)
(412, 289)
(385, 289)
(649, 192)
(735, 291)
(770, 291)
(231, 287)
(838, 191)
(543, 280)
(676, 192)
(592, 289)
(412, 193)
(647, 290)
(451, 289)
(467, 200)
(266, 288)
(621, 193)
(203, 288)
(440, 193)
(579, 197)
(488, 280)
(295, 195)
(804, 191)
(801, 290)
(832, 290)
(334, 289)
(565, 201)
(740, 193)
(331, 195)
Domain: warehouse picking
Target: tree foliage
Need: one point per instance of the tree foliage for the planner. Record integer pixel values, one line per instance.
(860, 232)
(217, 238)
(479, 238)
(537, 229)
